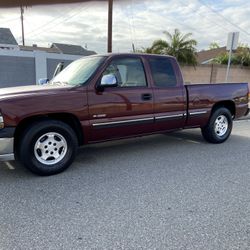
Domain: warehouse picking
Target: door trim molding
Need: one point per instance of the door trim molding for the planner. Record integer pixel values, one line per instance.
(198, 113)
(168, 117)
(124, 122)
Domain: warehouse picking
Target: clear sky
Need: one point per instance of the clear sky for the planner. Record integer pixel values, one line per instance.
(135, 21)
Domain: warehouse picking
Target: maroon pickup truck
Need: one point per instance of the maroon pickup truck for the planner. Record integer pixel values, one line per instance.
(107, 97)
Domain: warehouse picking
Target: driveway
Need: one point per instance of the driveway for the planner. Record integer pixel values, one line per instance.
(170, 191)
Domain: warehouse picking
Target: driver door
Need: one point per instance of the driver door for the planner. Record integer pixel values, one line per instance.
(124, 110)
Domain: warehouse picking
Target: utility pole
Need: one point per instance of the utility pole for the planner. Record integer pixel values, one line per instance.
(110, 24)
(22, 11)
(133, 47)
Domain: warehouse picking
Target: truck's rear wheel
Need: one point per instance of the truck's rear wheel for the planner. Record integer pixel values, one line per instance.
(47, 147)
(219, 126)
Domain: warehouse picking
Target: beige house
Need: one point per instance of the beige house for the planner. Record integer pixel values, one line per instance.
(206, 56)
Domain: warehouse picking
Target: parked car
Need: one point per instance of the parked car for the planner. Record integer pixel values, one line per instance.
(106, 97)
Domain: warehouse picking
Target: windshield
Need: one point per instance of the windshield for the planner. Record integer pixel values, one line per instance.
(78, 72)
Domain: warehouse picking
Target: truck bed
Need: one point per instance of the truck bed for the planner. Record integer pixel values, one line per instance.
(202, 97)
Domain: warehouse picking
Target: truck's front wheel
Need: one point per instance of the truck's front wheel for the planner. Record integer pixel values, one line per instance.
(219, 126)
(47, 147)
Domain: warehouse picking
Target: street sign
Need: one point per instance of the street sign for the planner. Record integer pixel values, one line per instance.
(232, 44)
(232, 40)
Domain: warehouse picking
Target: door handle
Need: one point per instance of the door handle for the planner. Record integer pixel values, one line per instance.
(146, 97)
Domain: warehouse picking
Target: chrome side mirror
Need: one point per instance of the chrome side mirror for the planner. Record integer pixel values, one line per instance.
(109, 81)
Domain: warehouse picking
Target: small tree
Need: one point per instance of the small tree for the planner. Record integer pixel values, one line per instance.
(240, 57)
(214, 45)
(243, 55)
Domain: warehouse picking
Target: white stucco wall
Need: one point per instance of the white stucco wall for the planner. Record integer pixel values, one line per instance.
(11, 67)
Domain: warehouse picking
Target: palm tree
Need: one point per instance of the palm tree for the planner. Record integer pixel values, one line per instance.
(180, 46)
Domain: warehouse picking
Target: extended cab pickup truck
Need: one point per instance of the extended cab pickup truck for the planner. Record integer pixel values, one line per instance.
(106, 97)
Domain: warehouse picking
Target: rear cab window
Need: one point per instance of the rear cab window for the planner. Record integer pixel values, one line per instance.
(163, 72)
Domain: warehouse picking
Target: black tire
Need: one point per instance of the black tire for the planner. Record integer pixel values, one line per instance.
(43, 133)
(215, 133)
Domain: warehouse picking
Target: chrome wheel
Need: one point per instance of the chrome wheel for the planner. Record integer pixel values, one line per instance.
(221, 125)
(50, 148)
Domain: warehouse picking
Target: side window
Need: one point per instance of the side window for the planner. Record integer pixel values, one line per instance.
(129, 72)
(162, 72)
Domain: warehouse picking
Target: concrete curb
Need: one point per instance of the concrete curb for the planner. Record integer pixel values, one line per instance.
(244, 118)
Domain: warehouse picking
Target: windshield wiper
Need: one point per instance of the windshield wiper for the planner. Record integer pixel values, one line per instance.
(59, 83)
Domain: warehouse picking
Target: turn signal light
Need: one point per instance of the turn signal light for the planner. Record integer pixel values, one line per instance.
(1, 122)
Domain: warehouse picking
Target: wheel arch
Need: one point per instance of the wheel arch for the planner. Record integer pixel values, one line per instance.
(230, 105)
(67, 118)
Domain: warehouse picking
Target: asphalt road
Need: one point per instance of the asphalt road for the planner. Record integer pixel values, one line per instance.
(159, 192)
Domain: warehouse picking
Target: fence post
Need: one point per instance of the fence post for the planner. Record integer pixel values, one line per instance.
(40, 65)
(211, 75)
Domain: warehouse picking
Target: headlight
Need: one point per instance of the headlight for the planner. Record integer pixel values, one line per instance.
(1, 121)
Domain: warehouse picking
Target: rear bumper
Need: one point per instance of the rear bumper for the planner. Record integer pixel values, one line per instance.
(7, 144)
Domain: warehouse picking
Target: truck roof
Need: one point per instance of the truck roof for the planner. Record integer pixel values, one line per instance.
(132, 54)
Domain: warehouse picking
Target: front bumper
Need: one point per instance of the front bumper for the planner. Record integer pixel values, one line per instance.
(7, 149)
(7, 144)
(248, 111)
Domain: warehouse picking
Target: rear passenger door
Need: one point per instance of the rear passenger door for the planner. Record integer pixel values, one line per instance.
(169, 93)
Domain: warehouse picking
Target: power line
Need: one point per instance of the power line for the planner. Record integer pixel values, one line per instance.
(52, 23)
(227, 20)
(127, 21)
(133, 22)
(10, 20)
(210, 20)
